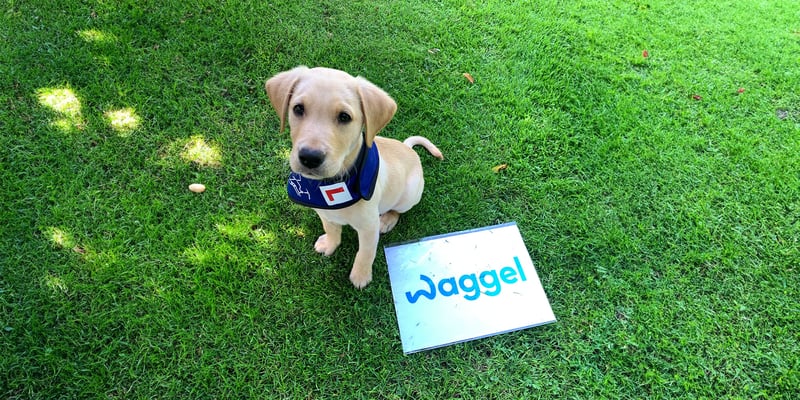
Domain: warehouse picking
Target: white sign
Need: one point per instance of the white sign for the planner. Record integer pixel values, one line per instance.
(465, 285)
(336, 193)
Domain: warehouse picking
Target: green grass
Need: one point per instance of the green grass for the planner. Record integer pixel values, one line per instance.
(660, 204)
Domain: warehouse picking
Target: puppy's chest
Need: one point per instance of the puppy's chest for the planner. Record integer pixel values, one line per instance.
(355, 214)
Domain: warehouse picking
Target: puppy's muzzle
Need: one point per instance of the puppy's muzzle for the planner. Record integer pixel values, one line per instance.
(311, 158)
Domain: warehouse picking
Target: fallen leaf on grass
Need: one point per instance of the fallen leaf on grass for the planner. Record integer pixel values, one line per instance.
(645, 54)
(741, 90)
(469, 77)
(697, 97)
(498, 168)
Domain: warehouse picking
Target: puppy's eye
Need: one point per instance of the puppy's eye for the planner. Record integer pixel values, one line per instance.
(344, 118)
(299, 110)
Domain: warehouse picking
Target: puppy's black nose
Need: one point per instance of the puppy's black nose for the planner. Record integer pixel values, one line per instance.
(311, 158)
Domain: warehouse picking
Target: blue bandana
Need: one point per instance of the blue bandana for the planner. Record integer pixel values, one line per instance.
(335, 193)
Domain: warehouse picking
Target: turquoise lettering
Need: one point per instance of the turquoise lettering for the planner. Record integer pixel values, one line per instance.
(519, 268)
(473, 287)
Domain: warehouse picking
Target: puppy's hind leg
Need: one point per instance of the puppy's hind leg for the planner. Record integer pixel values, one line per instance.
(415, 183)
(389, 220)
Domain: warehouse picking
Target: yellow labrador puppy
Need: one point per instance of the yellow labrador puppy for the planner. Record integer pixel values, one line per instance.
(340, 168)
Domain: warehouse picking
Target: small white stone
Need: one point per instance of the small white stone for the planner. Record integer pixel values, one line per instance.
(197, 187)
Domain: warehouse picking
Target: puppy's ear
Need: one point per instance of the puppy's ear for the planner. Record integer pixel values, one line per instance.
(376, 105)
(280, 88)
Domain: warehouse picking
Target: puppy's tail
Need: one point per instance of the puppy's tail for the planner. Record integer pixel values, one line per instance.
(419, 140)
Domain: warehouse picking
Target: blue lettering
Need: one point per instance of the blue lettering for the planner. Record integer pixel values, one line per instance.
(453, 287)
(508, 275)
(430, 295)
(470, 284)
(473, 287)
(494, 283)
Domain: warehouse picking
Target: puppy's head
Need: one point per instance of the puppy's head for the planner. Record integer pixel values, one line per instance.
(327, 110)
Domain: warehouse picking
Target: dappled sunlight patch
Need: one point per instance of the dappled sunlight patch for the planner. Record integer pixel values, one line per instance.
(296, 231)
(198, 256)
(284, 153)
(264, 237)
(123, 121)
(60, 100)
(67, 125)
(234, 231)
(247, 229)
(97, 36)
(99, 260)
(101, 41)
(60, 238)
(194, 150)
(65, 103)
(55, 284)
(202, 153)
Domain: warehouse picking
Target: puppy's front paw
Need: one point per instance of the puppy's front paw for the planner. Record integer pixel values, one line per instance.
(360, 277)
(326, 245)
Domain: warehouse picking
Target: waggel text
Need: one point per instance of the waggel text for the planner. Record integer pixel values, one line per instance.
(470, 284)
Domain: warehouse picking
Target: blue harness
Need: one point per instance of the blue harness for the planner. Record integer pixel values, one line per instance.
(338, 192)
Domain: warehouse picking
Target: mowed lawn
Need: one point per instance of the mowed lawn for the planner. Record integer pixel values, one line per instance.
(651, 152)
